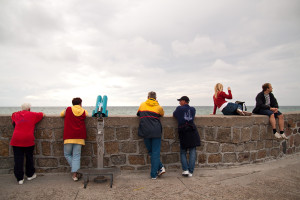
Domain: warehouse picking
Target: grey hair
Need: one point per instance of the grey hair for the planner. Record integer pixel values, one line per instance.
(26, 106)
(151, 95)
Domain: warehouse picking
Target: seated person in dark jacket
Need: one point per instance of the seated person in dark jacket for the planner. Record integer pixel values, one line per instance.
(188, 135)
(266, 104)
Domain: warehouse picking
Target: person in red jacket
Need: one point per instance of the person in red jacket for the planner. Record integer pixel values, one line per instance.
(74, 135)
(227, 108)
(22, 141)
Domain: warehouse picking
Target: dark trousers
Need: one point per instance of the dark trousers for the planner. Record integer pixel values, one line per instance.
(19, 153)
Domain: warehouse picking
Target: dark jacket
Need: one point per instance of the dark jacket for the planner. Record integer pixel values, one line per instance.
(187, 130)
(261, 102)
(149, 113)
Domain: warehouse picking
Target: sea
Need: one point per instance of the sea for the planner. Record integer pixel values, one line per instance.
(129, 110)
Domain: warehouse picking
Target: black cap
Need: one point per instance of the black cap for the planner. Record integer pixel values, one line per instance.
(185, 98)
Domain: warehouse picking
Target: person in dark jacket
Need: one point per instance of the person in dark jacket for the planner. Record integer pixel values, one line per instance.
(188, 135)
(150, 129)
(266, 104)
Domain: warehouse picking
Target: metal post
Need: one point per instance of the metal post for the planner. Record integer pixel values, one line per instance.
(100, 142)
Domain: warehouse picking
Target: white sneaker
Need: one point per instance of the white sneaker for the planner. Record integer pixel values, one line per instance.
(31, 178)
(190, 174)
(277, 135)
(283, 136)
(154, 178)
(21, 182)
(185, 173)
(161, 171)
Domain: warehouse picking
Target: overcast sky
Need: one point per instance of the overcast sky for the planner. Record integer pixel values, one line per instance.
(52, 51)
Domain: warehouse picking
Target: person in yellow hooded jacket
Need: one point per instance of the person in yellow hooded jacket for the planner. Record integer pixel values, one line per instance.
(151, 130)
(74, 135)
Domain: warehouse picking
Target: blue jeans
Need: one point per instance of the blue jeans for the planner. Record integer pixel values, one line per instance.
(269, 113)
(192, 158)
(72, 153)
(153, 147)
(231, 108)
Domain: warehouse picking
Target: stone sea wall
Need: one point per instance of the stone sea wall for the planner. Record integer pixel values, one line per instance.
(226, 140)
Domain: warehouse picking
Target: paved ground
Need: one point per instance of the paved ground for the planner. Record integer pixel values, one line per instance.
(277, 179)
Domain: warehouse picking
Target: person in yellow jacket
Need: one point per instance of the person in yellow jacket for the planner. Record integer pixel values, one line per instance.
(150, 129)
(74, 135)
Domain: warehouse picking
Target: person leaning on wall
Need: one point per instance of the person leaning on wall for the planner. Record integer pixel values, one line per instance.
(151, 130)
(22, 141)
(227, 108)
(74, 135)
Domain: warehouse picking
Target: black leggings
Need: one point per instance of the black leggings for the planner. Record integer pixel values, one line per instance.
(19, 162)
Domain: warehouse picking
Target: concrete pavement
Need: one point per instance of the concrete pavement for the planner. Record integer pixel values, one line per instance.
(275, 179)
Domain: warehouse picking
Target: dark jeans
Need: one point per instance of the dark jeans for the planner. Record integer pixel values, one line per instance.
(231, 108)
(19, 162)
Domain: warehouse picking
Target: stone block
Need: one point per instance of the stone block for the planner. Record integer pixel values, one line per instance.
(4, 148)
(276, 143)
(109, 133)
(170, 158)
(212, 147)
(165, 146)
(136, 160)
(168, 133)
(85, 161)
(91, 134)
(268, 144)
(134, 133)
(210, 133)
(174, 166)
(244, 157)
(63, 161)
(223, 135)
(229, 158)
(6, 163)
(275, 152)
(295, 131)
(58, 148)
(261, 154)
(214, 158)
(95, 148)
(291, 123)
(175, 147)
(111, 147)
(200, 131)
(118, 159)
(288, 131)
(255, 132)
(142, 147)
(250, 146)
(43, 133)
(147, 167)
(86, 150)
(253, 156)
(127, 168)
(58, 133)
(37, 149)
(202, 158)
(228, 147)
(297, 140)
(47, 162)
(245, 134)
(240, 148)
(123, 133)
(129, 147)
(46, 148)
(6, 132)
(260, 145)
(236, 135)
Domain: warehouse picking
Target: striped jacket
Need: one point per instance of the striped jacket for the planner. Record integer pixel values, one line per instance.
(150, 112)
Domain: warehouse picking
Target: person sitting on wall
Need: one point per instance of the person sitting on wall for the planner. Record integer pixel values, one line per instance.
(74, 135)
(227, 108)
(188, 135)
(266, 104)
(151, 130)
(22, 141)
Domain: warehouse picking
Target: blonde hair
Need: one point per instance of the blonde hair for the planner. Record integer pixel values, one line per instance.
(26, 106)
(218, 88)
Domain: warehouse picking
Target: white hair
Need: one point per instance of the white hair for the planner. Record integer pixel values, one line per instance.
(26, 106)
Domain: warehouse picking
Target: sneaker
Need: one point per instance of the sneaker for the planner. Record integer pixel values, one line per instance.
(75, 178)
(154, 178)
(247, 113)
(190, 174)
(277, 135)
(185, 173)
(21, 182)
(240, 112)
(161, 171)
(283, 136)
(33, 177)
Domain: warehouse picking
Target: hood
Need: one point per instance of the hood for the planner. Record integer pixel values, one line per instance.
(77, 110)
(152, 102)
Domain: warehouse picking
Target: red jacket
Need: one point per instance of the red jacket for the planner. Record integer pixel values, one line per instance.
(220, 100)
(74, 125)
(24, 121)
